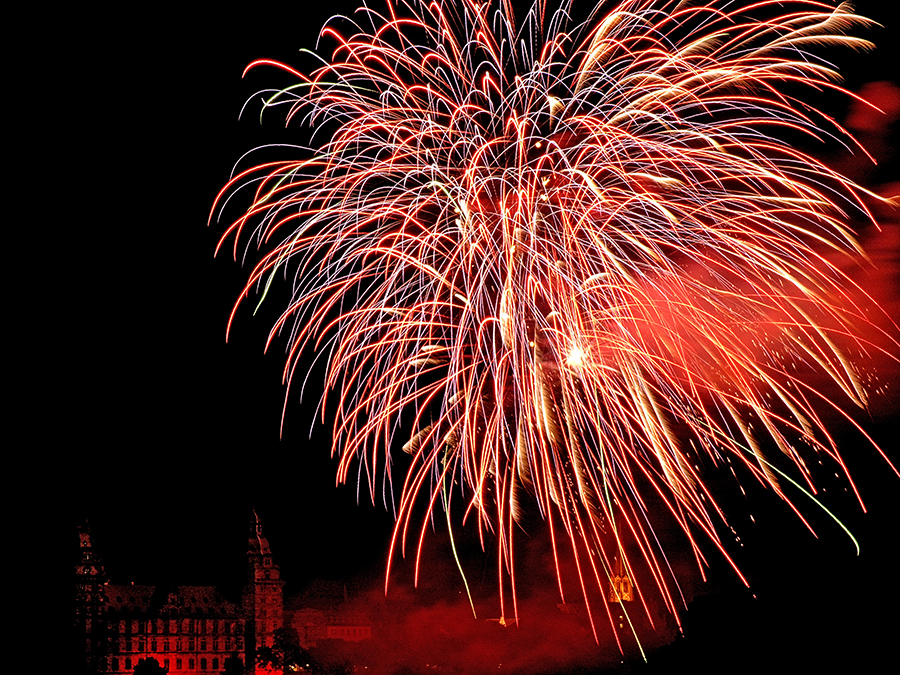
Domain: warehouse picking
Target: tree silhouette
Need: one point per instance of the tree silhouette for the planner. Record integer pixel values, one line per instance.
(285, 654)
(149, 666)
(233, 665)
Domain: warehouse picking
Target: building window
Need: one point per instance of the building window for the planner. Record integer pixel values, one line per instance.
(178, 663)
(114, 665)
(128, 663)
(190, 664)
(215, 663)
(202, 664)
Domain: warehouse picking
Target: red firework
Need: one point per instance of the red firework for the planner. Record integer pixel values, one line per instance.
(570, 261)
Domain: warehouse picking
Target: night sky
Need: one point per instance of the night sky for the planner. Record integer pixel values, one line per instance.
(179, 434)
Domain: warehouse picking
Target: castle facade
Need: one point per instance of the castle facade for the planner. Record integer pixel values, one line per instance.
(191, 630)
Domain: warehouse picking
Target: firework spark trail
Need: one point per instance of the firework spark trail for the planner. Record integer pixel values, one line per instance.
(577, 256)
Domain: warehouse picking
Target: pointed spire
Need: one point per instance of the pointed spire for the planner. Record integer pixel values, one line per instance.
(257, 545)
(90, 562)
(84, 536)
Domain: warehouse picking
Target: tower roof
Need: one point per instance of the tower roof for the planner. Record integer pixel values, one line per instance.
(257, 544)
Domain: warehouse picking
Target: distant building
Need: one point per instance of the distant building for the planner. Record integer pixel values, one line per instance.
(315, 625)
(620, 587)
(192, 629)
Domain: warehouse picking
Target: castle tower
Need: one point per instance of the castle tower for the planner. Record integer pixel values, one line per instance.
(263, 594)
(90, 605)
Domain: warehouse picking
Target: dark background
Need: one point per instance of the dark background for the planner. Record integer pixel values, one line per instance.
(169, 436)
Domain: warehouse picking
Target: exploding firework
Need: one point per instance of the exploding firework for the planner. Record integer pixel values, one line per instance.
(569, 261)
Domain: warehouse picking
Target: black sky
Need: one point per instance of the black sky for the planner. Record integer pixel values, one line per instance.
(178, 432)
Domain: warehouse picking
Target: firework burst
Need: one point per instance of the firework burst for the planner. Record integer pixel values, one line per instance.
(565, 259)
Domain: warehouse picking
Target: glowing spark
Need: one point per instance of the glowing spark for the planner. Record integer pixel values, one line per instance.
(575, 358)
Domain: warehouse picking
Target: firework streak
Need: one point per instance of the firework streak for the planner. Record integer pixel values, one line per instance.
(571, 260)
